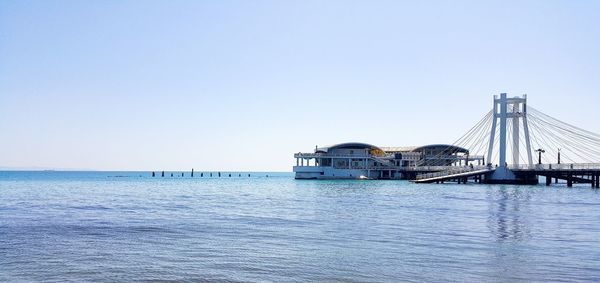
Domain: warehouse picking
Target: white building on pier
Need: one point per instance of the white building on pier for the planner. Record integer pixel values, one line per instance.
(365, 161)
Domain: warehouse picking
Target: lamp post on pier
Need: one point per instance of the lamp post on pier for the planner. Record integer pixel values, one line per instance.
(540, 151)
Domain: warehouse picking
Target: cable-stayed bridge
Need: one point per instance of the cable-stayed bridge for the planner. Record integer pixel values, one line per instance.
(520, 143)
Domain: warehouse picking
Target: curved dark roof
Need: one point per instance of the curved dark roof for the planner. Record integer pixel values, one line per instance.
(348, 145)
(447, 147)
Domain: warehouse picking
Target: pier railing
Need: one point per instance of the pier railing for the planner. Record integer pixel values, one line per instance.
(550, 167)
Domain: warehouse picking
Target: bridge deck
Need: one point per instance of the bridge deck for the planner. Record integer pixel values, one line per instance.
(451, 176)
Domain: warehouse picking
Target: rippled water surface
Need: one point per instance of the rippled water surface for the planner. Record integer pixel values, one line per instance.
(123, 226)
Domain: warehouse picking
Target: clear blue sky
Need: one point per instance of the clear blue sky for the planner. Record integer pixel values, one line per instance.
(242, 85)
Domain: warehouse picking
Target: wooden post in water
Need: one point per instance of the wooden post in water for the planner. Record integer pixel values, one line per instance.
(153, 174)
(163, 174)
(192, 175)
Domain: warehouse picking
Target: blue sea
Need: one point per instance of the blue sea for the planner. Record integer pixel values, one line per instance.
(129, 226)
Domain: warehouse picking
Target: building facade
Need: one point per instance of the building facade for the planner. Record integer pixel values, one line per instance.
(356, 160)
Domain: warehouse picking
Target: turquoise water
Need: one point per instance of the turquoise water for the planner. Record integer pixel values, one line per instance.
(127, 226)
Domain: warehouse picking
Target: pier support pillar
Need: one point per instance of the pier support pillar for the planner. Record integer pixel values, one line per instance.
(570, 181)
(548, 180)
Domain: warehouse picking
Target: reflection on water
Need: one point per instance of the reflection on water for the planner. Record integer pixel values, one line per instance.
(508, 212)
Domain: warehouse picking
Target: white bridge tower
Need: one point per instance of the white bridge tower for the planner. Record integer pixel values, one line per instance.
(514, 108)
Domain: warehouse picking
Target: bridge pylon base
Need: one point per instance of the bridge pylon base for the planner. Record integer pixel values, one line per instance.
(503, 175)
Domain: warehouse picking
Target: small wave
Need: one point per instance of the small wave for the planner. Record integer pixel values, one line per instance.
(91, 207)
